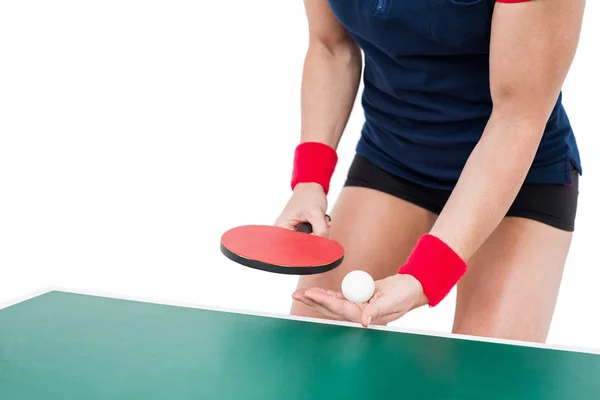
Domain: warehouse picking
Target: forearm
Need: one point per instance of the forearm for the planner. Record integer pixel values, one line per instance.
(489, 183)
(330, 83)
(532, 47)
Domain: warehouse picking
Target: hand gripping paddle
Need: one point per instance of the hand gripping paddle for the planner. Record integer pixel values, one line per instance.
(280, 250)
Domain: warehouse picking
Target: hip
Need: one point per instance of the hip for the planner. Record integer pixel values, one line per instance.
(551, 204)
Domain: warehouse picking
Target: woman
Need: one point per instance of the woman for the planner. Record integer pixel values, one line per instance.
(467, 169)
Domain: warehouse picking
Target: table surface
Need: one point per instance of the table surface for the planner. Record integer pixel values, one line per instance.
(62, 345)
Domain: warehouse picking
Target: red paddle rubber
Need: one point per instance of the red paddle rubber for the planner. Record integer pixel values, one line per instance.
(280, 250)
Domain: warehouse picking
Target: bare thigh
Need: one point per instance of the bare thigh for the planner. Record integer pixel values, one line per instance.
(378, 231)
(513, 281)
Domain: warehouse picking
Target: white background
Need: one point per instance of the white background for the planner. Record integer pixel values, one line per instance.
(132, 134)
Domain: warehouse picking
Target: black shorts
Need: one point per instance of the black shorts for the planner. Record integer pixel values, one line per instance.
(554, 205)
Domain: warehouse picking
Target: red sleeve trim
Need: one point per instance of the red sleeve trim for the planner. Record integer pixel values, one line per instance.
(512, 1)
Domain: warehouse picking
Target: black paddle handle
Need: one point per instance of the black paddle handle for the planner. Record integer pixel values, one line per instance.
(306, 227)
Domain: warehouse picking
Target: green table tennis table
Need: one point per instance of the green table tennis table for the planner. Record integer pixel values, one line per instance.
(69, 345)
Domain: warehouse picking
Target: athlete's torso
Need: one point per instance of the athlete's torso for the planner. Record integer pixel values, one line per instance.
(426, 89)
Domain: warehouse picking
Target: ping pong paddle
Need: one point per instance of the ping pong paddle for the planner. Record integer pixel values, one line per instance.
(280, 250)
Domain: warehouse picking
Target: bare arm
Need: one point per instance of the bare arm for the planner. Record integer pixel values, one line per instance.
(331, 76)
(532, 48)
(330, 81)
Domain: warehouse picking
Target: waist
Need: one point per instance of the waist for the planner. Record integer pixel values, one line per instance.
(434, 154)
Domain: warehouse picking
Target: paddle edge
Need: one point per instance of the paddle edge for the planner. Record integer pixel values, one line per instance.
(279, 269)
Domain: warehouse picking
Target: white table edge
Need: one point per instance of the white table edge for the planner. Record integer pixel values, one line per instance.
(158, 301)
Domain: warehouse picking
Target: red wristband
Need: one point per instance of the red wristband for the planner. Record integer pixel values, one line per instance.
(436, 266)
(314, 162)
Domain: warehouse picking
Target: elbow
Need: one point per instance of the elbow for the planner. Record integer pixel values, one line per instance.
(522, 109)
(525, 105)
(335, 45)
(518, 120)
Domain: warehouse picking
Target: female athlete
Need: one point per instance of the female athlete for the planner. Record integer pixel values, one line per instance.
(466, 172)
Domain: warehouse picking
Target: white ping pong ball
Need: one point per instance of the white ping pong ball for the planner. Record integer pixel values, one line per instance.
(358, 286)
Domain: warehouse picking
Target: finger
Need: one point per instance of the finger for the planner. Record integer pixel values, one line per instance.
(335, 305)
(302, 297)
(340, 296)
(318, 308)
(282, 222)
(377, 308)
(319, 223)
(329, 304)
(299, 296)
(330, 292)
(287, 223)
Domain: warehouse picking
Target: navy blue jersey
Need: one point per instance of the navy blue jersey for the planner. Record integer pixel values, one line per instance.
(426, 93)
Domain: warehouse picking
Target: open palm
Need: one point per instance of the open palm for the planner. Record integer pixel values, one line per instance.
(394, 296)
